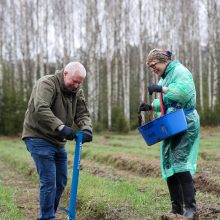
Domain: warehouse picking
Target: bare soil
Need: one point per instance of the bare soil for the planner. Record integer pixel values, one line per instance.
(204, 182)
(133, 164)
(26, 193)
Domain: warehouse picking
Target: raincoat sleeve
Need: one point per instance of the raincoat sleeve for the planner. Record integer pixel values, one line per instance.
(182, 88)
(156, 104)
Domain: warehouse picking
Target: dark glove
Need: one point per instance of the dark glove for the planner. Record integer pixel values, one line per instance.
(154, 88)
(68, 133)
(87, 136)
(144, 107)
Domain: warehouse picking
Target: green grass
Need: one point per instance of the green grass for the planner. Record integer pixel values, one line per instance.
(107, 196)
(8, 208)
(117, 194)
(15, 154)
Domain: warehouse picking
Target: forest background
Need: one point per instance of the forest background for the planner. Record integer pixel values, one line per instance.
(112, 40)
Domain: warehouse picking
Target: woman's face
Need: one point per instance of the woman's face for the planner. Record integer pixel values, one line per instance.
(157, 67)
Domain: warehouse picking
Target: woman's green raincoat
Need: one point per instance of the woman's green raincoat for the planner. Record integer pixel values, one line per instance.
(179, 153)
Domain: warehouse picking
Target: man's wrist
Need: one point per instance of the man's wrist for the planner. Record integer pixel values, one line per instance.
(60, 128)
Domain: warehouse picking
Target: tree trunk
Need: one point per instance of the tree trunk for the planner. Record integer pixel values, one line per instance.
(141, 58)
(201, 80)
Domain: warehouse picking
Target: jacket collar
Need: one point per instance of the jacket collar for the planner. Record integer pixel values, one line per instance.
(170, 66)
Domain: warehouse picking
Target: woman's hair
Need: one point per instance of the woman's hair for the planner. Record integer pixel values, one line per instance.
(159, 55)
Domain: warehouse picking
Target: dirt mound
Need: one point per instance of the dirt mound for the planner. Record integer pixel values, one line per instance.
(204, 184)
(132, 164)
(208, 211)
(177, 217)
(170, 216)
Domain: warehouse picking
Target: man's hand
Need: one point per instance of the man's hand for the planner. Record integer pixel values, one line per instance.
(144, 107)
(67, 133)
(87, 136)
(154, 88)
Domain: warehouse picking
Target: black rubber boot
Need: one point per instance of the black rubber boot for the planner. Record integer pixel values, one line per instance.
(176, 195)
(189, 200)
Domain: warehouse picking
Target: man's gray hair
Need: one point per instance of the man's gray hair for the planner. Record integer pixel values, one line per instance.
(74, 67)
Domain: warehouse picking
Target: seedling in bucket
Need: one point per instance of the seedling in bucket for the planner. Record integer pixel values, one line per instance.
(71, 212)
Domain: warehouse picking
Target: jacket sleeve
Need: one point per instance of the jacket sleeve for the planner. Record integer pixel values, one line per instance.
(45, 92)
(82, 117)
(182, 88)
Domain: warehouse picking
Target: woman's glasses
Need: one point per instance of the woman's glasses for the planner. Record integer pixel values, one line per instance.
(152, 66)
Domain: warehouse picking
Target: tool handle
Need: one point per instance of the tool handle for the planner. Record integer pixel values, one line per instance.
(161, 104)
(75, 176)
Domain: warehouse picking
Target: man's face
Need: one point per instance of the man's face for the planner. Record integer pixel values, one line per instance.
(157, 67)
(72, 81)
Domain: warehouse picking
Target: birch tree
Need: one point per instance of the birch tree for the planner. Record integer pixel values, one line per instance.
(211, 59)
(214, 49)
(92, 32)
(141, 57)
(45, 37)
(116, 26)
(109, 54)
(2, 14)
(200, 70)
(126, 62)
(37, 37)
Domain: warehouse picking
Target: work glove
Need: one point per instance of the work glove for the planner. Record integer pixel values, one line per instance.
(154, 88)
(87, 136)
(144, 107)
(67, 133)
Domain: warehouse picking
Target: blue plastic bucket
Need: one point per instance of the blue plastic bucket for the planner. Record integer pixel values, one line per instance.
(164, 127)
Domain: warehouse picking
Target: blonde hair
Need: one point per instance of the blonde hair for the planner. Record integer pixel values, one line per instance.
(74, 67)
(159, 55)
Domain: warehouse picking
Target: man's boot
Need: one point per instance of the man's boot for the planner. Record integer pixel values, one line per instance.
(189, 200)
(176, 197)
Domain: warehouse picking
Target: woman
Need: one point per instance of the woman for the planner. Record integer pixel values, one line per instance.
(179, 153)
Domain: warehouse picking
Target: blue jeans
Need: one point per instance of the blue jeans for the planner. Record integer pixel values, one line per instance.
(51, 164)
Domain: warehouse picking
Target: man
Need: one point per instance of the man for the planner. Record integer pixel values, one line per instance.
(55, 103)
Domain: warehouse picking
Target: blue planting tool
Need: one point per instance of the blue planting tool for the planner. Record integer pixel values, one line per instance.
(75, 177)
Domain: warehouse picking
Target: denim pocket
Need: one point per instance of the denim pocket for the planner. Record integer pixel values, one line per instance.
(40, 147)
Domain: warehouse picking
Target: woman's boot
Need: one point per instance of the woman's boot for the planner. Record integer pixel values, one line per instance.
(189, 200)
(176, 195)
(185, 178)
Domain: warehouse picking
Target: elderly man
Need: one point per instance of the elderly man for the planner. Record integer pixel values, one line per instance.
(55, 103)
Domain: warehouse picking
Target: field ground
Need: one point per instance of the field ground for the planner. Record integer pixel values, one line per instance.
(119, 179)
